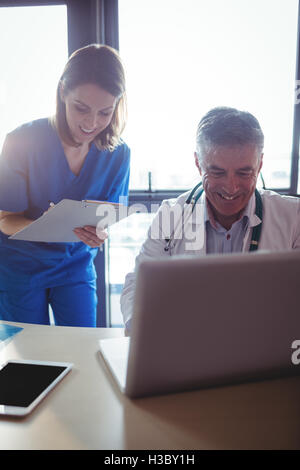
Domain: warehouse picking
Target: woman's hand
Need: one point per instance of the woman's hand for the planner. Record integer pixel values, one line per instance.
(91, 236)
(51, 204)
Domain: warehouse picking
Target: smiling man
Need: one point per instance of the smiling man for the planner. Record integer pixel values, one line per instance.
(224, 213)
(229, 158)
(229, 176)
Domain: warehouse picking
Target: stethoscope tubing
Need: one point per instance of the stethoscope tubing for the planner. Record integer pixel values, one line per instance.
(194, 197)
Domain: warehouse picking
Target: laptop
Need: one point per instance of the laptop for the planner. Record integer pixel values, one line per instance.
(209, 321)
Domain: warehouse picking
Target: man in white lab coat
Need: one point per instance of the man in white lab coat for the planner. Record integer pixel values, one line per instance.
(225, 213)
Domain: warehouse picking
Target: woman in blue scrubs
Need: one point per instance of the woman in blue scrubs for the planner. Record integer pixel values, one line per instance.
(78, 154)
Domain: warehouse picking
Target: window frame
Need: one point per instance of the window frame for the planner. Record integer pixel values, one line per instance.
(293, 189)
(91, 21)
(97, 21)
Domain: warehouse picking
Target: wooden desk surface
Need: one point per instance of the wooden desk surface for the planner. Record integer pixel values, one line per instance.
(87, 411)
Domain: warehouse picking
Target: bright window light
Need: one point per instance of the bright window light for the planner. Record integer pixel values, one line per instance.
(186, 57)
(33, 52)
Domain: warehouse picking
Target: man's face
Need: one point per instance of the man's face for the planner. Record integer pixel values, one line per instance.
(229, 175)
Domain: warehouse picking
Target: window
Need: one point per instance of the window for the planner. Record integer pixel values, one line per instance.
(182, 58)
(185, 57)
(124, 243)
(32, 56)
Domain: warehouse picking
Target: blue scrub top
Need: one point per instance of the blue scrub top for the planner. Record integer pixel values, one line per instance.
(33, 171)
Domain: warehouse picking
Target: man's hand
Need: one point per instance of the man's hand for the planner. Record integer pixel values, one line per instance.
(91, 236)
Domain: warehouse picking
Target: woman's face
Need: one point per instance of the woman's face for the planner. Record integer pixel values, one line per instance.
(89, 110)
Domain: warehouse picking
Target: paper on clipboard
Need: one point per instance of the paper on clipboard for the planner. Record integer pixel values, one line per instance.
(58, 223)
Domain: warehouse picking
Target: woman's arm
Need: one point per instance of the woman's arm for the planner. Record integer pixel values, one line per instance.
(12, 222)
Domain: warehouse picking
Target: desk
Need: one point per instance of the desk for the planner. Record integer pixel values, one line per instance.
(87, 411)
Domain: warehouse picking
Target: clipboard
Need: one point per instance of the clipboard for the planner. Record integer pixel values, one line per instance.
(58, 223)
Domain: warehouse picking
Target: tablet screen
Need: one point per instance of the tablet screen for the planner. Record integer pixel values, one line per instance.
(21, 383)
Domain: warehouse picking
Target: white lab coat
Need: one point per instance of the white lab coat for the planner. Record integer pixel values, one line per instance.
(280, 231)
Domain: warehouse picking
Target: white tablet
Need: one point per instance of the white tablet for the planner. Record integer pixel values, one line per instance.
(24, 383)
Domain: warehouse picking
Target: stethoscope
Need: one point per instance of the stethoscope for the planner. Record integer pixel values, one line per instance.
(195, 195)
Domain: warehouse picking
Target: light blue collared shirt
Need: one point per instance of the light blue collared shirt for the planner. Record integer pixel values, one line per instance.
(220, 240)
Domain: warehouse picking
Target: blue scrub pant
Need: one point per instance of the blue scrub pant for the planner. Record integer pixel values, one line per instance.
(72, 305)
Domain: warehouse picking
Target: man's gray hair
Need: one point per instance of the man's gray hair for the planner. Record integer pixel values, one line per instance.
(228, 126)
